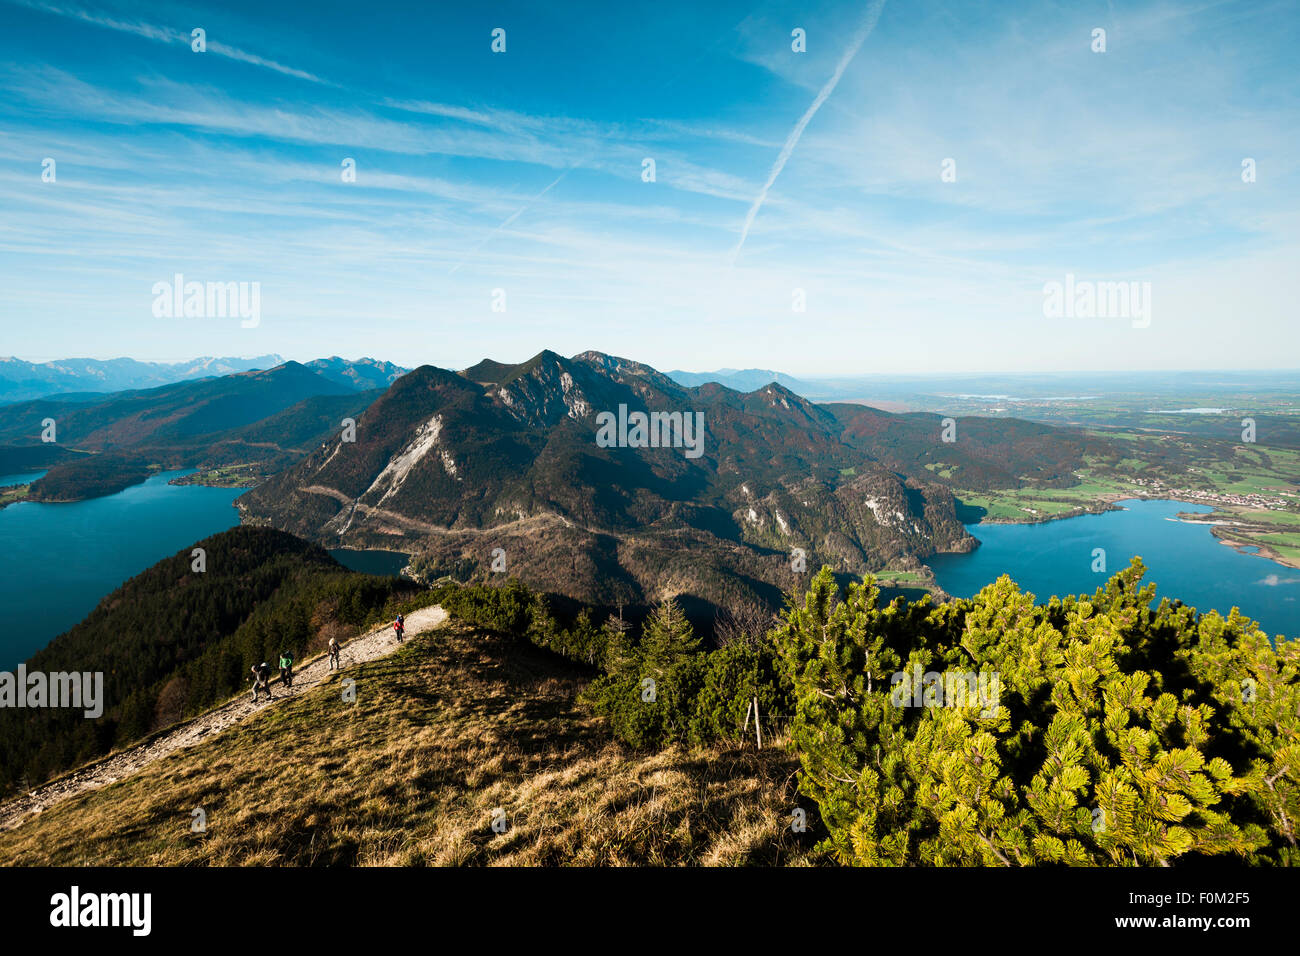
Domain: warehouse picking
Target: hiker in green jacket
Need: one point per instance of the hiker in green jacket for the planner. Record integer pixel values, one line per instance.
(286, 668)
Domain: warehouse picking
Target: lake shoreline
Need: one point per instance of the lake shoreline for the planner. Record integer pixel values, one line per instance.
(1100, 506)
(1110, 502)
(1262, 548)
(59, 560)
(12, 494)
(225, 476)
(1186, 564)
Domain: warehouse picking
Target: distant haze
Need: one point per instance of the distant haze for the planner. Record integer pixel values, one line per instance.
(79, 377)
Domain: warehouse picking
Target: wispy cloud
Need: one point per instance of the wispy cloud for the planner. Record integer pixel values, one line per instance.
(161, 34)
(478, 171)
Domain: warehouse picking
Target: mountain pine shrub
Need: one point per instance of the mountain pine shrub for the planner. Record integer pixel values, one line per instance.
(1118, 734)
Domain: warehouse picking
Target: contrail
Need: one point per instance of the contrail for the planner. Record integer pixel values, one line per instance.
(864, 31)
(511, 218)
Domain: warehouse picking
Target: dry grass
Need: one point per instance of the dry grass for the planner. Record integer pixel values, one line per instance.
(444, 732)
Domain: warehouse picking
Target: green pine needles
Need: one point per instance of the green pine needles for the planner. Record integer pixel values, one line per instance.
(1080, 732)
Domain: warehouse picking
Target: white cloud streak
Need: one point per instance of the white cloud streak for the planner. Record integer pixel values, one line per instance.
(158, 34)
(864, 31)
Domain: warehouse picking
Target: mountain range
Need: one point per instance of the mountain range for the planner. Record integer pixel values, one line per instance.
(743, 380)
(498, 467)
(23, 380)
(76, 377)
(260, 420)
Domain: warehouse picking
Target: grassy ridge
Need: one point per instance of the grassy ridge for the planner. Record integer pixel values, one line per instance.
(451, 727)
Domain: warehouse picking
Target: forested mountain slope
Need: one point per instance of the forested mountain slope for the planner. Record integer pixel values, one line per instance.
(452, 467)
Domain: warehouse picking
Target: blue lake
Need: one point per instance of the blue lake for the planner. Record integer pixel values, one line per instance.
(1184, 560)
(22, 478)
(371, 562)
(58, 560)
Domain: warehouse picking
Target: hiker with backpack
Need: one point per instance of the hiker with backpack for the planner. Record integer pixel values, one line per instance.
(400, 627)
(262, 680)
(334, 653)
(286, 668)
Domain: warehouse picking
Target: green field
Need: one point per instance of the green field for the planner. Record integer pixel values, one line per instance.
(1286, 545)
(12, 493)
(1224, 468)
(902, 577)
(1027, 504)
(1244, 470)
(1281, 520)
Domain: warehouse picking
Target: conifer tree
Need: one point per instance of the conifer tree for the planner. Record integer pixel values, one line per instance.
(620, 650)
(666, 638)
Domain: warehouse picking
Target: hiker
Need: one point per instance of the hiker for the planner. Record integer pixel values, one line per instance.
(262, 680)
(286, 668)
(400, 627)
(334, 653)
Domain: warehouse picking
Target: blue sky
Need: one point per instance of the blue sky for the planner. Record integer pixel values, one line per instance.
(522, 171)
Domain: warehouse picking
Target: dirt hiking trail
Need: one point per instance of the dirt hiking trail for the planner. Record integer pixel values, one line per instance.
(368, 647)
